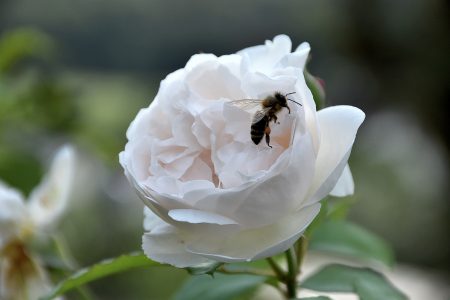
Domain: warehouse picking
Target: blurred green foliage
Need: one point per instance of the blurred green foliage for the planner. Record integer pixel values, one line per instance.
(22, 43)
(40, 102)
(32, 103)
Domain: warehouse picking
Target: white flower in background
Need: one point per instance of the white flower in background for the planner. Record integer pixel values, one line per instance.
(21, 276)
(213, 193)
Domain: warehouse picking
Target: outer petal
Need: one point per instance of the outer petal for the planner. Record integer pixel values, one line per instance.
(49, 199)
(256, 243)
(167, 244)
(338, 125)
(164, 243)
(344, 186)
(309, 108)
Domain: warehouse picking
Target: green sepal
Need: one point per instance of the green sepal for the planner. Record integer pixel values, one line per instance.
(317, 89)
(205, 268)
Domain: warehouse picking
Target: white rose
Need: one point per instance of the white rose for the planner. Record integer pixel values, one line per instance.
(21, 275)
(213, 193)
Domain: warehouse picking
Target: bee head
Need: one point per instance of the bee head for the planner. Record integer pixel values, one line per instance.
(281, 99)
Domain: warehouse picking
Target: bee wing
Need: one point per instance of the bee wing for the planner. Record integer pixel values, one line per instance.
(259, 115)
(246, 104)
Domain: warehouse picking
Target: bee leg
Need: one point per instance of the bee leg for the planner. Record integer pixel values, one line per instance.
(275, 119)
(267, 132)
(268, 140)
(289, 110)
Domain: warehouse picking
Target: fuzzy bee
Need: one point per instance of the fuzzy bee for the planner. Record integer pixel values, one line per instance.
(269, 107)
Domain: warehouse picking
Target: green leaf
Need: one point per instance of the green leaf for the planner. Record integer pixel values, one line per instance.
(366, 283)
(100, 270)
(219, 287)
(205, 268)
(345, 238)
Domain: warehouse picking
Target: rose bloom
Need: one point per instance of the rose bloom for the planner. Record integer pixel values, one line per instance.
(212, 193)
(21, 273)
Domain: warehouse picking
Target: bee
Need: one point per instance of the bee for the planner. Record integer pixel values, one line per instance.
(269, 107)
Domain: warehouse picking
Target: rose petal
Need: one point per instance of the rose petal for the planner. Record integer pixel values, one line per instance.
(144, 124)
(199, 170)
(304, 96)
(201, 133)
(338, 126)
(263, 58)
(297, 58)
(137, 157)
(259, 86)
(182, 132)
(162, 203)
(198, 216)
(198, 222)
(210, 80)
(344, 185)
(150, 219)
(164, 245)
(172, 98)
(236, 121)
(150, 199)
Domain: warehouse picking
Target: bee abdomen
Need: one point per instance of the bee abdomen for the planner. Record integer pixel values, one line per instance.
(257, 130)
(256, 136)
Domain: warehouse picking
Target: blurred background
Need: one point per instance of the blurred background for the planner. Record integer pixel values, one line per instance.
(79, 71)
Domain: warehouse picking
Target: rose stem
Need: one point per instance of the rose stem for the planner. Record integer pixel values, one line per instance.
(291, 278)
(281, 275)
(302, 245)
